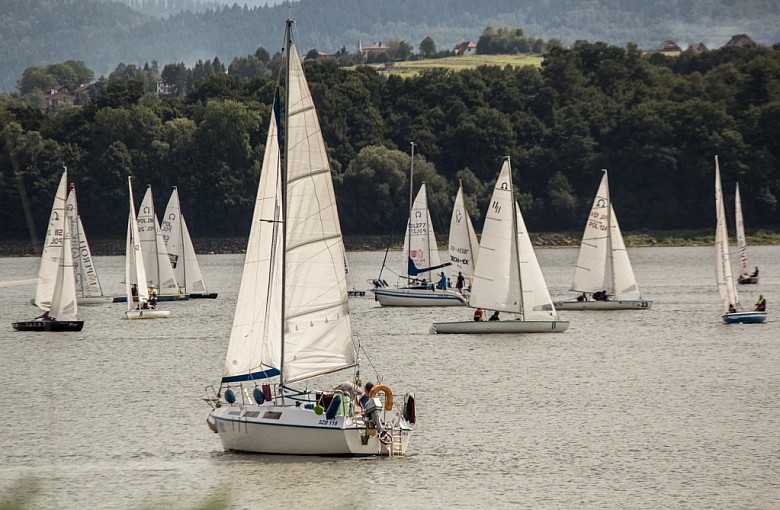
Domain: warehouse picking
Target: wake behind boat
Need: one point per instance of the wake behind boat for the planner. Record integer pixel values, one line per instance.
(507, 278)
(289, 326)
(603, 274)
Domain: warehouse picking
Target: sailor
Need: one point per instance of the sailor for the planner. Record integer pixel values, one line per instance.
(478, 315)
(152, 296)
(760, 304)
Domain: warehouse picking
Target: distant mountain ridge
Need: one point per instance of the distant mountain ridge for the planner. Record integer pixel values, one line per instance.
(104, 34)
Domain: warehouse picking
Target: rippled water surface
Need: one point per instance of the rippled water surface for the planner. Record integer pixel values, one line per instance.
(665, 408)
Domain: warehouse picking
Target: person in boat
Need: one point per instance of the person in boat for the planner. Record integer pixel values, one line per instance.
(494, 317)
(601, 295)
(443, 281)
(44, 317)
(732, 308)
(366, 391)
(582, 297)
(152, 296)
(760, 304)
(478, 314)
(755, 273)
(461, 281)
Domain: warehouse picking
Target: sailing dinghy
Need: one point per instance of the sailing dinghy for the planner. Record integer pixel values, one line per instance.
(290, 326)
(182, 252)
(745, 276)
(463, 243)
(56, 291)
(421, 254)
(603, 267)
(507, 278)
(732, 308)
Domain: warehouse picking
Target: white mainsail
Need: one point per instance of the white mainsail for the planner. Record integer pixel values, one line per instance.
(51, 257)
(64, 305)
(603, 262)
(420, 240)
(310, 332)
(180, 249)
(508, 277)
(744, 265)
(463, 243)
(134, 262)
(87, 283)
(156, 261)
(725, 280)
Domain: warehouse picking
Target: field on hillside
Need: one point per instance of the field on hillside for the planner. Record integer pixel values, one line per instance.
(413, 67)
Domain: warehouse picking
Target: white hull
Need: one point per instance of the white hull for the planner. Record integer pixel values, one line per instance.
(97, 300)
(617, 304)
(418, 297)
(291, 430)
(508, 326)
(147, 314)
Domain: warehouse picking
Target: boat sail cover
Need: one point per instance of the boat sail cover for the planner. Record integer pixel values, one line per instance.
(315, 334)
(723, 277)
(86, 279)
(51, 257)
(155, 256)
(134, 262)
(744, 265)
(63, 301)
(603, 261)
(180, 249)
(463, 240)
(420, 240)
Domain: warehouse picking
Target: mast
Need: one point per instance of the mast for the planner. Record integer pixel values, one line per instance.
(181, 241)
(411, 205)
(515, 247)
(283, 198)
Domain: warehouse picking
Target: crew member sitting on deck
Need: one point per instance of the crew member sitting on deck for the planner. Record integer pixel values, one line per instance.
(478, 314)
(760, 304)
(494, 317)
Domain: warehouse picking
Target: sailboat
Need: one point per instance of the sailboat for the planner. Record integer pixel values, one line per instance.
(603, 269)
(732, 308)
(88, 289)
(463, 243)
(56, 290)
(422, 257)
(508, 278)
(135, 272)
(181, 251)
(745, 276)
(292, 320)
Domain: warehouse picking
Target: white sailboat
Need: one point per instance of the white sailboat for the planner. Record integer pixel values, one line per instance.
(463, 243)
(745, 276)
(508, 278)
(732, 308)
(135, 272)
(157, 263)
(292, 318)
(56, 290)
(421, 254)
(603, 269)
(88, 289)
(181, 251)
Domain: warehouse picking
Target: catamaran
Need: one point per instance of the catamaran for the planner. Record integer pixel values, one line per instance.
(603, 274)
(507, 278)
(292, 321)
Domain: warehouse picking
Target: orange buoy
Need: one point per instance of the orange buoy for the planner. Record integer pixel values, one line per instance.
(388, 395)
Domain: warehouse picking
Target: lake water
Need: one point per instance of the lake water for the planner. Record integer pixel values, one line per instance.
(665, 408)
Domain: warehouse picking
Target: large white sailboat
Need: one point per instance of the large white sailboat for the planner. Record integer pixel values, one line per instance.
(135, 272)
(463, 244)
(603, 274)
(732, 308)
(421, 254)
(56, 290)
(88, 289)
(292, 320)
(181, 251)
(745, 276)
(507, 278)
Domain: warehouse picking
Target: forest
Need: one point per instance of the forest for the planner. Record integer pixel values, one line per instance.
(654, 122)
(104, 33)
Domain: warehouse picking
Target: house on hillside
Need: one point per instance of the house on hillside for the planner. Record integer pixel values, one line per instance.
(374, 49)
(698, 47)
(465, 48)
(164, 89)
(58, 98)
(668, 47)
(741, 40)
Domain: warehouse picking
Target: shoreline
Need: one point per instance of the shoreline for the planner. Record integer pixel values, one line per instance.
(234, 245)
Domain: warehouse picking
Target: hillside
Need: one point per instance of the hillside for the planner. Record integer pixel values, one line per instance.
(104, 34)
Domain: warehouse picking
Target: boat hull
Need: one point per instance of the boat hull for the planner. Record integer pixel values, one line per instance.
(161, 297)
(494, 327)
(617, 304)
(48, 325)
(747, 280)
(290, 430)
(744, 318)
(147, 314)
(96, 300)
(418, 297)
(203, 295)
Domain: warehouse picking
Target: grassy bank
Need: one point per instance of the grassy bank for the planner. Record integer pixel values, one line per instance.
(16, 248)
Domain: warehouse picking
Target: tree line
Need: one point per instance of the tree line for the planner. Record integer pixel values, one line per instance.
(655, 122)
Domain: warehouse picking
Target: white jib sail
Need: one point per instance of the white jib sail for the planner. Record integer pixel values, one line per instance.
(463, 240)
(86, 278)
(744, 265)
(537, 304)
(134, 262)
(52, 248)
(723, 277)
(423, 249)
(180, 249)
(63, 302)
(157, 263)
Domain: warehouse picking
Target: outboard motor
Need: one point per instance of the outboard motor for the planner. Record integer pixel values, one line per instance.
(371, 412)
